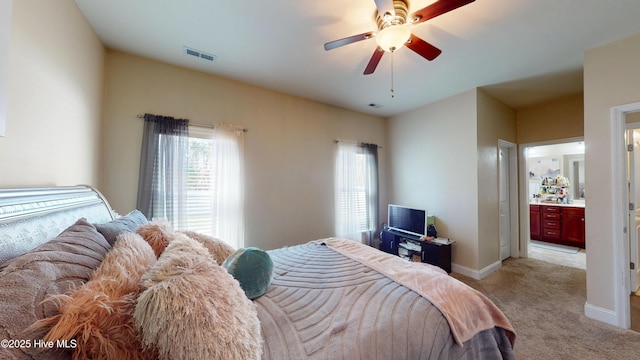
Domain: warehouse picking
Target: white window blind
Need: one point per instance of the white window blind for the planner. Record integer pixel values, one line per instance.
(199, 180)
(214, 184)
(355, 204)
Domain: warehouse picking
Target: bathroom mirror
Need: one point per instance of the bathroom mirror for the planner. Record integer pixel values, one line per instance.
(576, 175)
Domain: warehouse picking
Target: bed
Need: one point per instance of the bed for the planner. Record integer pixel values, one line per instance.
(327, 299)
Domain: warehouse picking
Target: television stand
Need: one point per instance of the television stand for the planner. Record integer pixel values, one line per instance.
(412, 248)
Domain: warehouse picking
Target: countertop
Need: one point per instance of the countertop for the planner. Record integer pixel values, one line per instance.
(576, 203)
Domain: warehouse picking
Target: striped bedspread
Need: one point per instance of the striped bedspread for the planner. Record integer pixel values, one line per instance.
(325, 305)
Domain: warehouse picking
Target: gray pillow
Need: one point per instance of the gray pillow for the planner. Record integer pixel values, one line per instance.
(52, 268)
(128, 223)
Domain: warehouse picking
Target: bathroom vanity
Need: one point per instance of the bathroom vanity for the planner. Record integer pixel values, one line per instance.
(557, 223)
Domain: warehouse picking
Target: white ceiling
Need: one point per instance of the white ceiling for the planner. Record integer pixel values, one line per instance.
(521, 51)
(569, 148)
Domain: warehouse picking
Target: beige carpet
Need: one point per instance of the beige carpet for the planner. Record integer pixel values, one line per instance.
(545, 304)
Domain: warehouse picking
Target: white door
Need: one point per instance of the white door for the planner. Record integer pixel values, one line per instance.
(633, 177)
(504, 201)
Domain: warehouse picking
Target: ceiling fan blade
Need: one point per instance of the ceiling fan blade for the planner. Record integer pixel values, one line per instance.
(423, 48)
(373, 63)
(436, 9)
(348, 40)
(385, 6)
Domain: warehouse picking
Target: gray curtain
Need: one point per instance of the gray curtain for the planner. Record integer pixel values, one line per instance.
(163, 169)
(371, 184)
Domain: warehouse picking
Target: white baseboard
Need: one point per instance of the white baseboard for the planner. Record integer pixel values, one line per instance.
(476, 274)
(601, 314)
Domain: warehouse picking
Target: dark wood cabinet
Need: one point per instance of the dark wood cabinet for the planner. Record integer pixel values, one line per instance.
(572, 230)
(388, 242)
(428, 252)
(534, 222)
(557, 224)
(437, 254)
(550, 223)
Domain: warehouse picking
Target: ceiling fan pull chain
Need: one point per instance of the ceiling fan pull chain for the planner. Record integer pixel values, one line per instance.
(392, 91)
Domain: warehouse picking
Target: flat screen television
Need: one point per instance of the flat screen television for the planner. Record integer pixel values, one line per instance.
(407, 220)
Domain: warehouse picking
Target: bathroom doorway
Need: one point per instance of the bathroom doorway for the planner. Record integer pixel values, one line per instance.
(553, 181)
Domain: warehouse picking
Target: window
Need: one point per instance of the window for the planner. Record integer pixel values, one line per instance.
(199, 182)
(193, 177)
(214, 183)
(356, 191)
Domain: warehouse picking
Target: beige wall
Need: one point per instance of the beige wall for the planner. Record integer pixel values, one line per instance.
(433, 165)
(289, 146)
(443, 157)
(496, 121)
(612, 78)
(561, 118)
(54, 97)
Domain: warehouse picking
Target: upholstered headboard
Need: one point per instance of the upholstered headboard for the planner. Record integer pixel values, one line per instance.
(32, 216)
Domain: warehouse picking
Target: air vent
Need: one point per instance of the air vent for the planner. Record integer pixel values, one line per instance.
(199, 54)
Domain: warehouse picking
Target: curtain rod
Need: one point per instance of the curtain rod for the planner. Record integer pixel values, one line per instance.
(139, 116)
(356, 142)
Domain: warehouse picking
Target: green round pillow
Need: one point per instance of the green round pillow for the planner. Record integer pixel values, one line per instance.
(253, 269)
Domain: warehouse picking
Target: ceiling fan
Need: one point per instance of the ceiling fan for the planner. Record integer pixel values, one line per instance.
(393, 29)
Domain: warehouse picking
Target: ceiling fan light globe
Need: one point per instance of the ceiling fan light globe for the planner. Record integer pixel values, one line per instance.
(393, 37)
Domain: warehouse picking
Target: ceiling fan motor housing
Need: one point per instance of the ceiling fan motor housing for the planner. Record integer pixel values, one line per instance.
(393, 32)
(401, 8)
